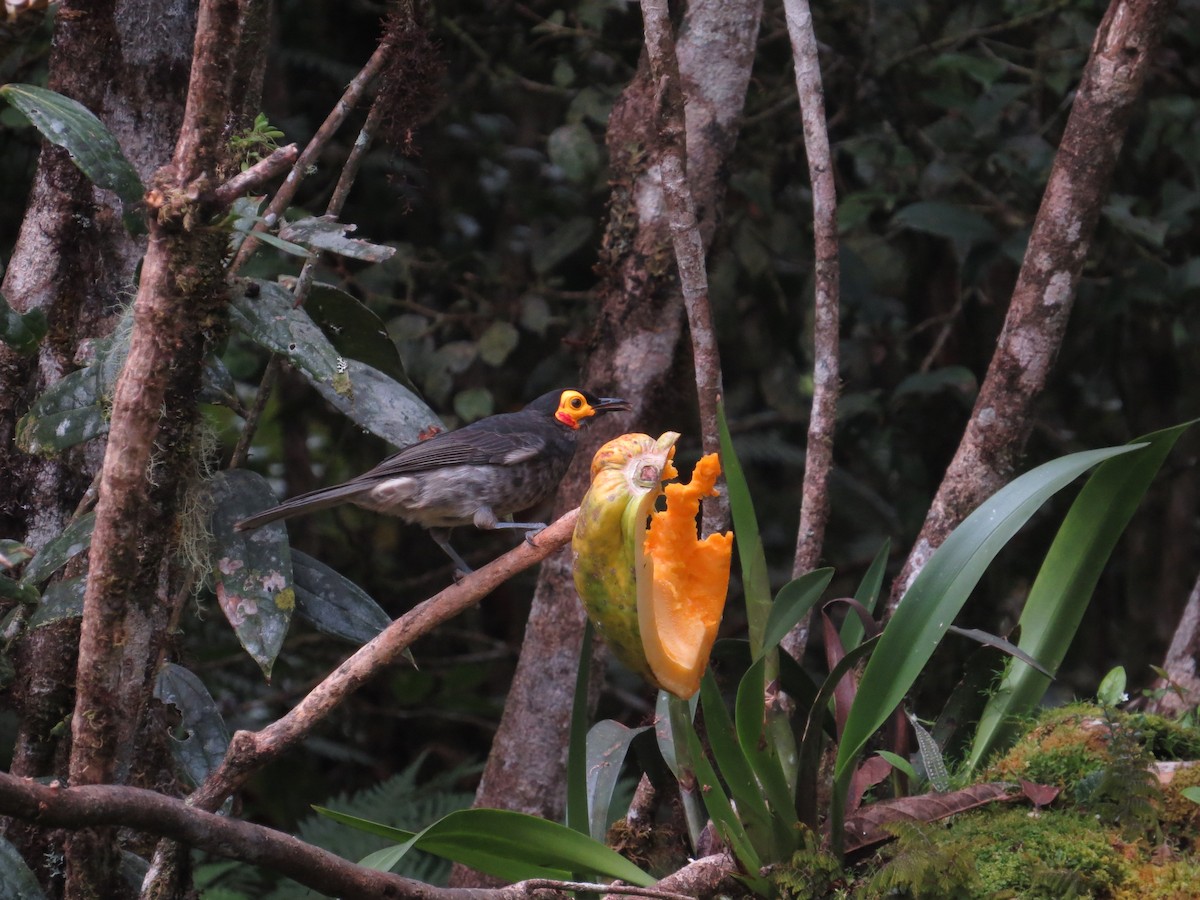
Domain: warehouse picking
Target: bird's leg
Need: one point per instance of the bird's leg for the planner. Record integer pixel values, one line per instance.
(441, 537)
(486, 520)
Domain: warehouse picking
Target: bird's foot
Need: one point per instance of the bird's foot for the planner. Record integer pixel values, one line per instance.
(532, 533)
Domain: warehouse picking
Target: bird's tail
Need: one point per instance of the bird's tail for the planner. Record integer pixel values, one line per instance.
(321, 498)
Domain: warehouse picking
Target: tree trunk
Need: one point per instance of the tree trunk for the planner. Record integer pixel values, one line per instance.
(635, 351)
(1041, 304)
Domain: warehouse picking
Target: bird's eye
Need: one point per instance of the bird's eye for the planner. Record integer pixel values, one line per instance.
(576, 402)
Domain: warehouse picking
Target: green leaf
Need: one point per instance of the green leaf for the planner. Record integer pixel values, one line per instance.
(750, 719)
(355, 331)
(946, 220)
(76, 538)
(509, 845)
(16, 879)
(931, 756)
(577, 750)
(71, 411)
(737, 772)
(253, 569)
(381, 405)
(21, 331)
(334, 604)
(573, 149)
(1063, 588)
(61, 600)
(68, 124)
(474, 404)
(793, 602)
(1111, 691)
(11, 589)
(868, 593)
(755, 582)
(202, 751)
(13, 553)
(896, 761)
(272, 320)
(991, 640)
(498, 342)
(327, 233)
(1191, 793)
(607, 746)
(939, 592)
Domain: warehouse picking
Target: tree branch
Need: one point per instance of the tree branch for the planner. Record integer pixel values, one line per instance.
(249, 751)
(818, 460)
(685, 230)
(150, 812)
(1037, 317)
(259, 173)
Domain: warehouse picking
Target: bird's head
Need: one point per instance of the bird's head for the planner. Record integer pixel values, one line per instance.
(571, 406)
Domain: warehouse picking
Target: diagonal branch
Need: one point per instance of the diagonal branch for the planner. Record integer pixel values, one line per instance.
(250, 751)
(1041, 304)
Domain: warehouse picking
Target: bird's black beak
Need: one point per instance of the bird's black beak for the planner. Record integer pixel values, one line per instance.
(612, 404)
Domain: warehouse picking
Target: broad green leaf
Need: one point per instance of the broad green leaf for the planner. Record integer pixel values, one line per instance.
(1191, 793)
(946, 220)
(577, 752)
(755, 581)
(868, 595)
(75, 408)
(21, 331)
(70, 125)
(204, 748)
(61, 600)
(1064, 585)
(1111, 691)
(327, 233)
(750, 719)
(737, 773)
(607, 746)
(509, 845)
(11, 589)
(272, 320)
(252, 569)
(793, 602)
(498, 342)
(938, 593)
(71, 411)
(334, 604)
(931, 756)
(75, 538)
(381, 405)
(573, 149)
(896, 761)
(729, 827)
(355, 331)
(16, 880)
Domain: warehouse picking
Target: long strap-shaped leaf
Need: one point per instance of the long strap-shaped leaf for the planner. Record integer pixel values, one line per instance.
(509, 845)
(936, 596)
(1064, 585)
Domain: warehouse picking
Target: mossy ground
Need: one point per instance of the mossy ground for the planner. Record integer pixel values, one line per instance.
(1113, 831)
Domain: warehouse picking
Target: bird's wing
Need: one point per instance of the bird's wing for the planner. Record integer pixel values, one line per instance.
(460, 448)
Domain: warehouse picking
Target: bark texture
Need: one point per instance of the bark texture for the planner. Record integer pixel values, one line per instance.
(1033, 331)
(1182, 663)
(178, 312)
(634, 352)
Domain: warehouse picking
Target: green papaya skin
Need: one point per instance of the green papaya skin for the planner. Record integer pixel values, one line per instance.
(627, 475)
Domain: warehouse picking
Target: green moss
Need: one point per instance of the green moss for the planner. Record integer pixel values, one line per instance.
(1036, 855)
(1181, 816)
(1170, 880)
(810, 873)
(1165, 738)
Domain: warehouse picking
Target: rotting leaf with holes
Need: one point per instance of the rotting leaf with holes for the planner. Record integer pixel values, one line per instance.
(327, 233)
(204, 748)
(253, 570)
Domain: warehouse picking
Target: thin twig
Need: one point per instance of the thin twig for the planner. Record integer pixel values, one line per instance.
(814, 510)
(533, 885)
(341, 111)
(246, 438)
(259, 173)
